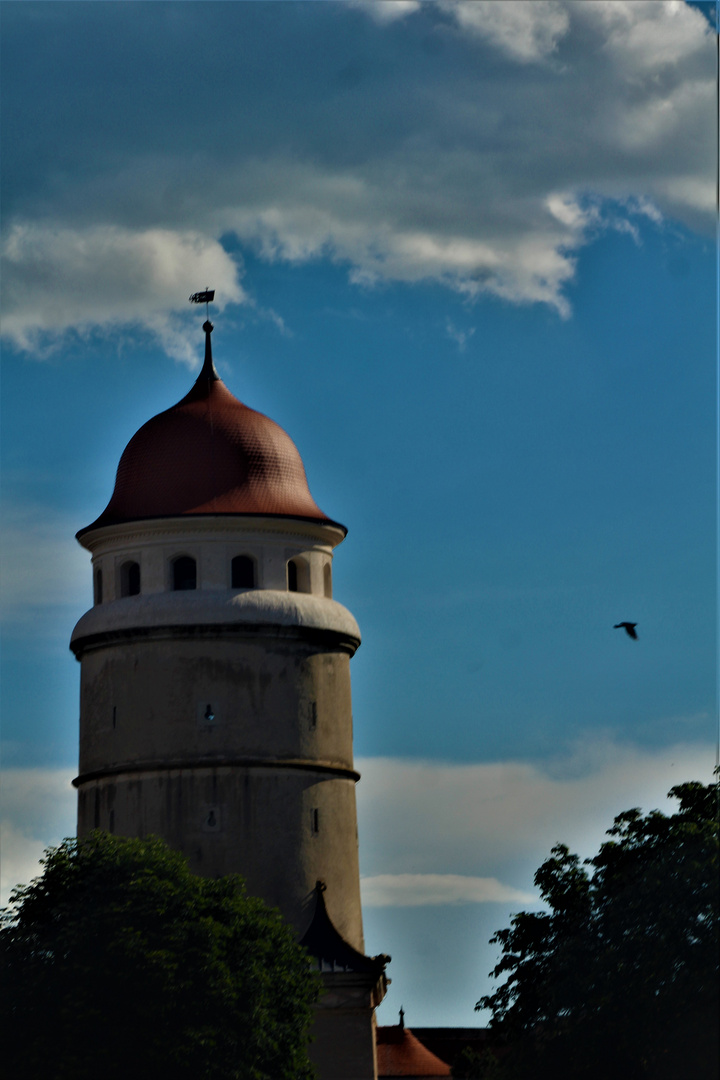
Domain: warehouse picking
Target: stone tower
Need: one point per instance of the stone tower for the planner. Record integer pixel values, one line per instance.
(215, 685)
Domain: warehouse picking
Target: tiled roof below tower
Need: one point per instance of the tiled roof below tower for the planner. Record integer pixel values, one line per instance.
(399, 1053)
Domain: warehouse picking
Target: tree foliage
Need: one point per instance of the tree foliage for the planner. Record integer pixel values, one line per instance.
(118, 962)
(620, 976)
(476, 1065)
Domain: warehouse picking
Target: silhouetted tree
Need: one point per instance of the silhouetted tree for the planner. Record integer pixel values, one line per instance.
(118, 962)
(620, 976)
(476, 1065)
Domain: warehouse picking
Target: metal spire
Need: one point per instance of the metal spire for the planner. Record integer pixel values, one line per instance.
(208, 369)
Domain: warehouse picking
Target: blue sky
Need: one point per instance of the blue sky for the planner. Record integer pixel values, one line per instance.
(464, 254)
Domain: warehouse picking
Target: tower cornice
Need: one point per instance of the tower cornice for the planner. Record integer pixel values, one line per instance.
(218, 763)
(198, 613)
(206, 526)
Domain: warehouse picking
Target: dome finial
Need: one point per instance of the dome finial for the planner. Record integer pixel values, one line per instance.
(206, 297)
(208, 368)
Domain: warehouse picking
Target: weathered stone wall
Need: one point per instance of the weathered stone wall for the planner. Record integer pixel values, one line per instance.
(257, 822)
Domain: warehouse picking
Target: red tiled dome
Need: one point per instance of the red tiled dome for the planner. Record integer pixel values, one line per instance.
(400, 1053)
(209, 454)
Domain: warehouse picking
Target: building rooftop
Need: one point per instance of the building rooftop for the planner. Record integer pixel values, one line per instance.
(400, 1053)
(330, 950)
(209, 454)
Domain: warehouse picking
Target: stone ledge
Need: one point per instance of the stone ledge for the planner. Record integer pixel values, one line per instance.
(132, 768)
(254, 611)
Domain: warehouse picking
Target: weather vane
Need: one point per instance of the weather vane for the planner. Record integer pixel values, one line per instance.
(205, 298)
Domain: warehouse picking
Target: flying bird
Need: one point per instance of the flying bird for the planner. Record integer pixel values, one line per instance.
(628, 627)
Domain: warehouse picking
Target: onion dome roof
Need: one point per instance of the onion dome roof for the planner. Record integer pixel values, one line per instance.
(209, 454)
(400, 1053)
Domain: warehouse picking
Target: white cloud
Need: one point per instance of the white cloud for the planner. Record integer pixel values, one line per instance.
(430, 164)
(37, 810)
(422, 890)
(688, 191)
(644, 34)
(566, 209)
(526, 30)
(502, 818)
(42, 564)
(387, 11)
(460, 337)
(364, 225)
(21, 856)
(57, 278)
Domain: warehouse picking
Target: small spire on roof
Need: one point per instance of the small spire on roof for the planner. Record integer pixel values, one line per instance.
(206, 297)
(402, 1017)
(208, 371)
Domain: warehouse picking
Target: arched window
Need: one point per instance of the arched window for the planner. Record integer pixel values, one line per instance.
(243, 572)
(327, 580)
(130, 579)
(98, 587)
(184, 573)
(298, 575)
